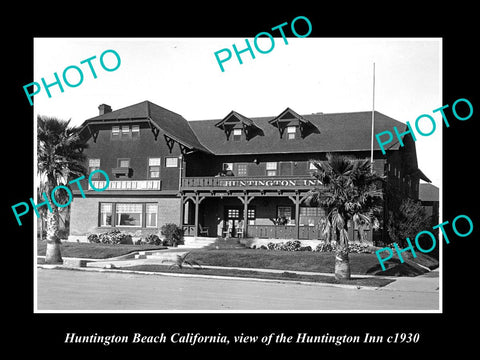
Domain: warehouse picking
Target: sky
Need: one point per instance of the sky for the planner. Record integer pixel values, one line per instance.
(309, 75)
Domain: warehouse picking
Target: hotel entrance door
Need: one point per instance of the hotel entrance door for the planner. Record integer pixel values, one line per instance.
(233, 221)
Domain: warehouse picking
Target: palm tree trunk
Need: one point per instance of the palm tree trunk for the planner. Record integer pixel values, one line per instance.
(53, 254)
(342, 261)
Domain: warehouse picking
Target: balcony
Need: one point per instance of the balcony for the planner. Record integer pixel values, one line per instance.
(125, 185)
(225, 183)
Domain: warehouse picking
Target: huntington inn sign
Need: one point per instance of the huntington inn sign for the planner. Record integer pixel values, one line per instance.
(269, 183)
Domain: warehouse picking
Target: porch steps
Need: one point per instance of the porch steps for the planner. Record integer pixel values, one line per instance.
(190, 242)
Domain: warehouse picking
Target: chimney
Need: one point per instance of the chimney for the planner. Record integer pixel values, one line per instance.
(104, 108)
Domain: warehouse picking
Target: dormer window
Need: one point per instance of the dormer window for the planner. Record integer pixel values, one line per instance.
(235, 124)
(289, 120)
(291, 132)
(237, 134)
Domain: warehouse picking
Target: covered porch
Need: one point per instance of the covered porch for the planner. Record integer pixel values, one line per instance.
(253, 212)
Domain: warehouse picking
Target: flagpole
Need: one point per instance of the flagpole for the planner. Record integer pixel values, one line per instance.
(373, 119)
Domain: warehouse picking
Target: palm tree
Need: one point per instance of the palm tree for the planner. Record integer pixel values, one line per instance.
(60, 159)
(182, 261)
(350, 192)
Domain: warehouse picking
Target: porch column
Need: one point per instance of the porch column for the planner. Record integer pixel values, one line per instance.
(296, 200)
(245, 201)
(198, 200)
(182, 209)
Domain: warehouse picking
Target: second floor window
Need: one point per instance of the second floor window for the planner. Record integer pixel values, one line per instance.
(171, 162)
(123, 163)
(135, 131)
(94, 164)
(153, 168)
(115, 132)
(271, 168)
(242, 170)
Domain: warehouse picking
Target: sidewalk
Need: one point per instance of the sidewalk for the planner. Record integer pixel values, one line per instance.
(428, 282)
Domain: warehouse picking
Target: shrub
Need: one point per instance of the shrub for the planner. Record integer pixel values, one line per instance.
(173, 234)
(153, 239)
(115, 237)
(292, 245)
(93, 238)
(326, 247)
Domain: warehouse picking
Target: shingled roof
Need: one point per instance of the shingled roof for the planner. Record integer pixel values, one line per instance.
(174, 125)
(335, 132)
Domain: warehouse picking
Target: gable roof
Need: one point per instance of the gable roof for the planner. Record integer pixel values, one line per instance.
(174, 125)
(336, 132)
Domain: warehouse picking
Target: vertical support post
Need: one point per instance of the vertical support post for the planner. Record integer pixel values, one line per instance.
(296, 200)
(197, 203)
(182, 210)
(245, 215)
(297, 215)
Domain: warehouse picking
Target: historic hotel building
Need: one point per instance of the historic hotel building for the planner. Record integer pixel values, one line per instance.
(235, 176)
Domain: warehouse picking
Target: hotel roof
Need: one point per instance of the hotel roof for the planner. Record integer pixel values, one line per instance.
(336, 132)
(331, 133)
(174, 125)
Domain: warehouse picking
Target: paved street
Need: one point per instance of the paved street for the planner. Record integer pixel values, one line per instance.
(88, 290)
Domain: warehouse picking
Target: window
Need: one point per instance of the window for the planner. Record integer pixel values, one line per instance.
(242, 170)
(123, 163)
(271, 168)
(251, 216)
(94, 164)
(135, 131)
(171, 162)
(233, 213)
(129, 214)
(125, 130)
(291, 131)
(311, 166)
(115, 132)
(153, 168)
(227, 166)
(284, 212)
(151, 211)
(237, 134)
(311, 215)
(105, 214)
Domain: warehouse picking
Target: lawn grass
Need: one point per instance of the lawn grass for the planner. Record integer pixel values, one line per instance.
(367, 281)
(323, 262)
(95, 251)
(232, 254)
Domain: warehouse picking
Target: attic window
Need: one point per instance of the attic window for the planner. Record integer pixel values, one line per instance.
(291, 131)
(237, 134)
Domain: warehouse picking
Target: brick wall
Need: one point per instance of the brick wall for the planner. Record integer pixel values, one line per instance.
(84, 215)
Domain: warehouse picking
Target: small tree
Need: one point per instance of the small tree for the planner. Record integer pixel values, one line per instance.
(350, 192)
(60, 159)
(407, 221)
(182, 261)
